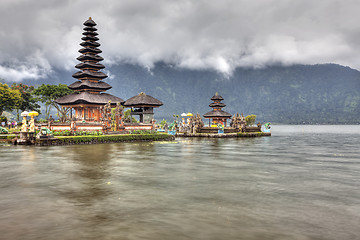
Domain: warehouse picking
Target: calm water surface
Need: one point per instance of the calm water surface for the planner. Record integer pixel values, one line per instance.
(301, 183)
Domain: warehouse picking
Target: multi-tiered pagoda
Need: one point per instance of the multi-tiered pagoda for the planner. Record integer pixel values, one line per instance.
(217, 115)
(90, 89)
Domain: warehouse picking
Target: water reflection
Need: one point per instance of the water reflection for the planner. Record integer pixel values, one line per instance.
(88, 178)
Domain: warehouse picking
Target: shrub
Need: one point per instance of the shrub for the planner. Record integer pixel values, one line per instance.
(3, 119)
(250, 120)
(143, 131)
(114, 138)
(76, 133)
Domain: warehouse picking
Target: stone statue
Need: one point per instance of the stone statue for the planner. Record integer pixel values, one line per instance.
(238, 122)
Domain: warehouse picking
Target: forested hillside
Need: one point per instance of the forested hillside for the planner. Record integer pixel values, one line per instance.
(326, 93)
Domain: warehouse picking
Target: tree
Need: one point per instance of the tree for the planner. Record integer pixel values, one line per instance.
(29, 101)
(48, 94)
(250, 120)
(128, 118)
(9, 98)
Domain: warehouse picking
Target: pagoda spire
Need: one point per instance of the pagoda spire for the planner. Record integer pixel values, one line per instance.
(89, 97)
(90, 75)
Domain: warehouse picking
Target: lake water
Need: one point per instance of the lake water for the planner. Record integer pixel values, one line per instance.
(301, 183)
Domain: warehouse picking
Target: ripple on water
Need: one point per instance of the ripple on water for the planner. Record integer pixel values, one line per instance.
(301, 183)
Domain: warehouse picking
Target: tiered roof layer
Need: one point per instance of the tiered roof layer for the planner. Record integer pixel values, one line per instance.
(217, 112)
(89, 86)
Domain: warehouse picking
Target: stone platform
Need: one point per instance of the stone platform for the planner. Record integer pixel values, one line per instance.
(225, 135)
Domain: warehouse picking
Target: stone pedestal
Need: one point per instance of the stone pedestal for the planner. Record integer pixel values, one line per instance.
(23, 135)
(26, 138)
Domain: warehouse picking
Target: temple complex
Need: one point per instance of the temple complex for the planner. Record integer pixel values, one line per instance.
(89, 96)
(217, 115)
(143, 105)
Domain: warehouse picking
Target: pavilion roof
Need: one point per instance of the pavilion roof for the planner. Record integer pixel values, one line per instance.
(217, 113)
(141, 100)
(90, 98)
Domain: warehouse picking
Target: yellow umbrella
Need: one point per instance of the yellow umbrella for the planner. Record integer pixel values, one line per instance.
(33, 114)
(189, 114)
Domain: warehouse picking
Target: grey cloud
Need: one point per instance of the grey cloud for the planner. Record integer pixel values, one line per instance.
(41, 34)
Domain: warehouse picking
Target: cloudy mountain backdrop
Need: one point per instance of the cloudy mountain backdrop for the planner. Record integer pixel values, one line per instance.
(326, 93)
(265, 57)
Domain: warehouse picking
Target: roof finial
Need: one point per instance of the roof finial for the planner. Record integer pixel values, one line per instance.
(142, 93)
(90, 18)
(216, 94)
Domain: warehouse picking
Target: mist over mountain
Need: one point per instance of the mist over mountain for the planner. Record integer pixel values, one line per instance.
(326, 93)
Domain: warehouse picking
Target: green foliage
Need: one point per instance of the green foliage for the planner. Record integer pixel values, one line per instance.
(141, 131)
(114, 138)
(162, 124)
(8, 136)
(3, 119)
(128, 118)
(17, 129)
(48, 94)
(250, 134)
(250, 120)
(28, 101)
(10, 99)
(76, 133)
(3, 130)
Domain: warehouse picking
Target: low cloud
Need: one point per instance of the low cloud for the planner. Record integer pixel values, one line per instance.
(45, 34)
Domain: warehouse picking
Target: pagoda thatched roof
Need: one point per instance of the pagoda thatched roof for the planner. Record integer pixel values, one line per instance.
(89, 23)
(90, 38)
(102, 86)
(89, 57)
(89, 74)
(88, 98)
(90, 44)
(89, 65)
(217, 97)
(217, 114)
(90, 33)
(143, 100)
(90, 29)
(217, 104)
(90, 50)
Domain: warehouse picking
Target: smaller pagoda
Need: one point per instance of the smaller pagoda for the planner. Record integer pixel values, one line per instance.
(217, 115)
(143, 105)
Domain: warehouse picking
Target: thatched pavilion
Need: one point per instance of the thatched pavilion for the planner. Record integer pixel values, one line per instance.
(143, 105)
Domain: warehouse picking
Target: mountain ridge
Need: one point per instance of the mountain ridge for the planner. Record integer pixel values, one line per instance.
(296, 94)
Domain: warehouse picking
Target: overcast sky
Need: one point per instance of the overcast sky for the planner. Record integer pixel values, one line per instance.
(37, 36)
